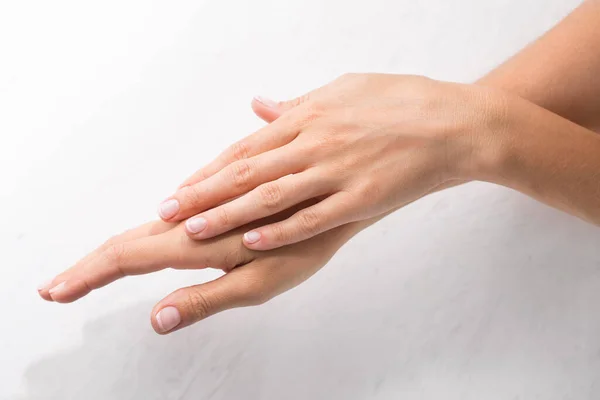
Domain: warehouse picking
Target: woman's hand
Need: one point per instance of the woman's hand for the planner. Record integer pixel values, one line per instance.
(361, 146)
(250, 278)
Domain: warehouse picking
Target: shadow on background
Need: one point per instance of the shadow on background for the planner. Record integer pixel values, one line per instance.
(122, 358)
(239, 354)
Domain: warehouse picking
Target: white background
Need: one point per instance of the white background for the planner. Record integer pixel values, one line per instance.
(474, 293)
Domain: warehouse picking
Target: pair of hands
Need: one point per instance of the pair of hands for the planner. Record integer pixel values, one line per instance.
(331, 163)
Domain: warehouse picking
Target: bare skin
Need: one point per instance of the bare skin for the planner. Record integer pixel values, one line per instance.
(367, 143)
(561, 70)
(517, 127)
(250, 278)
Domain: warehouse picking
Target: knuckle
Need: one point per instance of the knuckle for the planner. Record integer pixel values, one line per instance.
(230, 260)
(309, 113)
(368, 190)
(313, 110)
(271, 196)
(309, 222)
(295, 102)
(114, 257)
(358, 203)
(114, 253)
(223, 216)
(280, 235)
(108, 243)
(239, 151)
(198, 304)
(241, 174)
(329, 141)
(191, 196)
(235, 256)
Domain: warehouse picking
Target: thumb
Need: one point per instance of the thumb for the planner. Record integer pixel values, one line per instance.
(191, 304)
(269, 110)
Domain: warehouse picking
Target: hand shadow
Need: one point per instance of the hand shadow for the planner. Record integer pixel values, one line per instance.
(239, 354)
(122, 358)
(261, 352)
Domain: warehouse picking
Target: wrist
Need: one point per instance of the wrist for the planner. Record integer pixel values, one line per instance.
(488, 141)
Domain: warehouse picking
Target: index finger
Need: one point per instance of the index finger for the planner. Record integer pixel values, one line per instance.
(146, 255)
(148, 229)
(140, 256)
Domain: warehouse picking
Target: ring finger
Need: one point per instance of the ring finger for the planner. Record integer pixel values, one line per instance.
(265, 200)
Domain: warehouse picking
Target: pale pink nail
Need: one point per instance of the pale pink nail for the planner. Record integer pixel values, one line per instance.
(44, 285)
(57, 288)
(195, 225)
(167, 319)
(168, 209)
(252, 237)
(266, 101)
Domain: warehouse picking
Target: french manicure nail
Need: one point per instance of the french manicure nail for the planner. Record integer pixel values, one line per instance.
(266, 101)
(195, 225)
(168, 209)
(44, 285)
(57, 288)
(167, 319)
(252, 237)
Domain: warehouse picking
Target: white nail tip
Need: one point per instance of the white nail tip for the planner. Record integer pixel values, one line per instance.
(266, 101)
(252, 237)
(44, 285)
(57, 288)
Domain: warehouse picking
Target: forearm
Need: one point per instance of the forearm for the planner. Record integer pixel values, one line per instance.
(543, 155)
(556, 164)
(561, 70)
(539, 153)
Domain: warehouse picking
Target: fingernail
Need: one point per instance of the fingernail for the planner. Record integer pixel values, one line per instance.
(168, 318)
(168, 209)
(44, 285)
(195, 225)
(57, 288)
(266, 101)
(251, 237)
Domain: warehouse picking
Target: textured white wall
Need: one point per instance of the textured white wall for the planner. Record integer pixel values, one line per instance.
(474, 293)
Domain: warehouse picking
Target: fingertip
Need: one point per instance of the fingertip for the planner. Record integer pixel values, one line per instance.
(43, 290)
(252, 237)
(155, 327)
(189, 305)
(195, 226)
(252, 240)
(267, 102)
(45, 295)
(168, 209)
(265, 113)
(68, 291)
(255, 240)
(167, 319)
